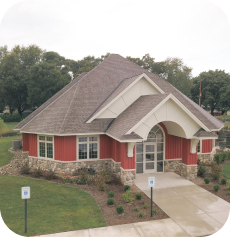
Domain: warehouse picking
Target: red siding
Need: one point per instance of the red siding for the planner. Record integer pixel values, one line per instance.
(187, 157)
(126, 162)
(105, 147)
(65, 148)
(33, 151)
(25, 142)
(206, 146)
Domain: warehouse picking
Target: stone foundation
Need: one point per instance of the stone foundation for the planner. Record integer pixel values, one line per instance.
(128, 177)
(188, 171)
(172, 165)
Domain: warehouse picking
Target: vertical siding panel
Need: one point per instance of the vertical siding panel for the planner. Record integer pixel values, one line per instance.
(33, 150)
(187, 157)
(126, 162)
(105, 147)
(25, 142)
(207, 146)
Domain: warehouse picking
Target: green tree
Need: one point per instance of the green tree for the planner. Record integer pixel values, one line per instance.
(3, 127)
(214, 85)
(225, 99)
(3, 51)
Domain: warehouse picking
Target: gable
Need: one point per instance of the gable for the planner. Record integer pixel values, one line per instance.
(140, 87)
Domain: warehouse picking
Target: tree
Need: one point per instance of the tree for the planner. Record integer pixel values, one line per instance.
(214, 85)
(3, 126)
(225, 99)
(3, 51)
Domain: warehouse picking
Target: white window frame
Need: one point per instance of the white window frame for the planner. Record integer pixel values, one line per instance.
(200, 141)
(88, 142)
(45, 141)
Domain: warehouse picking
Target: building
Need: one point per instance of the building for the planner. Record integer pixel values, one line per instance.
(122, 115)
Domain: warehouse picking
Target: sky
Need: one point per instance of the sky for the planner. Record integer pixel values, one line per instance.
(198, 31)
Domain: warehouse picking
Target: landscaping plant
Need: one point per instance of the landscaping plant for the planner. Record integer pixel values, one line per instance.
(107, 174)
(110, 194)
(218, 158)
(207, 180)
(25, 169)
(101, 183)
(136, 208)
(201, 170)
(228, 183)
(154, 211)
(128, 196)
(146, 206)
(216, 188)
(138, 196)
(216, 170)
(126, 187)
(120, 209)
(66, 178)
(140, 214)
(38, 172)
(110, 201)
(49, 175)
(224, 181)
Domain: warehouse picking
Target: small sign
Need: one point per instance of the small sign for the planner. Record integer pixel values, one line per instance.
(25, 192)
(151, 181)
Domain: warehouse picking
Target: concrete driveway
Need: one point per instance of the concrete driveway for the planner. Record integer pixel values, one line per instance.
(197, 211)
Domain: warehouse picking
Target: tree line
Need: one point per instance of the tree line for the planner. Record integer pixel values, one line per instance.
(29, 76)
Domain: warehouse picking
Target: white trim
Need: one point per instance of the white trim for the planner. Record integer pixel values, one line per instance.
(130, 148)
(88, 142)
(170, 96)
(205, 138)
(61, 135)
(200, 152)
(216, 129)
(193, 145)
(124, 141)
(126, 89)
(174, 159)
(127, 169)
(38, 147)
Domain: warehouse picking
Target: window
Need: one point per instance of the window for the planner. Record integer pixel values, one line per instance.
(45, 144)
(88, 147)
(199, 147)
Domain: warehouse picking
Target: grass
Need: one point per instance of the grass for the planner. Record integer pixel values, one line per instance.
(223, 118)
(53, 207)
(11, 125)
(226, 169)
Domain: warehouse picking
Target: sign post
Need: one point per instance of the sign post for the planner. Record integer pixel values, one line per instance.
(25, 195)
(151, 184)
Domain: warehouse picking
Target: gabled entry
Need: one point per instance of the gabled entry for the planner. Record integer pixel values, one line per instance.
(150, 153)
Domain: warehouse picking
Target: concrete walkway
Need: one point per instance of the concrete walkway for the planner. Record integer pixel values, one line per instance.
(191, 207)
(193, 211)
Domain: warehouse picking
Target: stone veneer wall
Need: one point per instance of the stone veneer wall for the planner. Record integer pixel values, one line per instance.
(172, 165)
(128, 177)
(188, 171)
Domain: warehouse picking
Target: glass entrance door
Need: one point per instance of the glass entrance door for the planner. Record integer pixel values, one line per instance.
(149, 157)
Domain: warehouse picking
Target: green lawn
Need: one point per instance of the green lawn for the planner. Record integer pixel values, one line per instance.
(11, 125)
(226, 170)
(52, 208)
(223, 118)
(5, 144)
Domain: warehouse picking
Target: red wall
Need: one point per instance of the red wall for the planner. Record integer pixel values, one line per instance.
(105, 147)
(207, 146)
(187, 157)
(65, 148)
(33, 151)
(25, 142)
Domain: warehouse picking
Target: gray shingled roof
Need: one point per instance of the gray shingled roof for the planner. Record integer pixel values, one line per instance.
(201, 133)
(67, 111)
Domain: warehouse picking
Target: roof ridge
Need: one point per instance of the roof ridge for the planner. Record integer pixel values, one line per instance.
(56, 98)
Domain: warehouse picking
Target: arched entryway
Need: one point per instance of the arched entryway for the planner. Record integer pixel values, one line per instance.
(150, 153)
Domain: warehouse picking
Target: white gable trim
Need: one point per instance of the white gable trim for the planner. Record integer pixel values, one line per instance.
(123, 92)
(170, 96)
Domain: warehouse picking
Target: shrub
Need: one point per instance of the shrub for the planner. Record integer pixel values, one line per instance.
(10, 134)
(11, 117)
(143, 202)
(228, 193)
(224, 156)
(110, 194)
(138, 196)
(49, 175)
(66, 178)
(228, 183)
(126, 187)
(91, 171)
(224, 181)
(110, 201)
(25, 169)
(136, 208)
(218, 158)
(38, 172)
(146, 206)
(120, 209)
(201, 170)
(116, 179)
(74, 179)
(83, 176)
(154, 211)
(107, 174)
(101, 183)
(128, 196)
(228, 154)
(216, 187)
(216, 171)
(140, 214)
(207, 180)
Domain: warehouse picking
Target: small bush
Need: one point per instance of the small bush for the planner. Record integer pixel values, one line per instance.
(216, 171)
(102, 186)
(91, 171)
(83, 176)
(218, 158)
(224, 181)
(11, 117)
(138, 196)
(207, 180)
(154, 211)
(116, 179)
(228, 193)
(126, 187)
(120, 209)
(143, 202)
(110, 194)
(136, 208)
(228, 183)
(107, 174)
(201, 170)
(216, 188)
(146, 206)
(110, 201)
(38, 172)
(140, 214)
(49, 175)
(128, 196)
(224, 156)
(25, 169)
